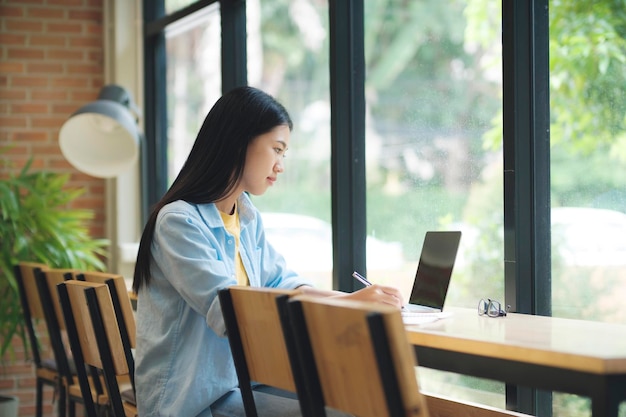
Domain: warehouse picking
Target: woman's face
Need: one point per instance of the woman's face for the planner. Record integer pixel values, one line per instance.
(264, 160)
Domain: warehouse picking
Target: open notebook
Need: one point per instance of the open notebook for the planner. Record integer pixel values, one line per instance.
(432, 278)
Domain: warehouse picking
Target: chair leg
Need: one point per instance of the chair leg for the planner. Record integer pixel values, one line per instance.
(39, 398)
(62, 399)
(71, 412)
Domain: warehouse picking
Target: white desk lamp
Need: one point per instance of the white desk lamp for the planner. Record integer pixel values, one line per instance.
(102, 138)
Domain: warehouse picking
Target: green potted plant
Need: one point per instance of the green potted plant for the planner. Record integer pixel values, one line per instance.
(37, 224)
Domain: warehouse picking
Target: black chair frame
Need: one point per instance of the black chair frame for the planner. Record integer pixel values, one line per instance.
(56, 383)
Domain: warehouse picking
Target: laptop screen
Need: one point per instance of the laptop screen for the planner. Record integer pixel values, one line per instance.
(434, 269)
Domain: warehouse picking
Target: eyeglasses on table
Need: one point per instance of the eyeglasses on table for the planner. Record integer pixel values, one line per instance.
(490, 308)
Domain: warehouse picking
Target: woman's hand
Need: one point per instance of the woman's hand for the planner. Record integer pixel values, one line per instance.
(378, 294)
(374, 293)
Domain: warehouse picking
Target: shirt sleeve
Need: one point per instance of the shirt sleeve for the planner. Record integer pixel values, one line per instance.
(189, 255)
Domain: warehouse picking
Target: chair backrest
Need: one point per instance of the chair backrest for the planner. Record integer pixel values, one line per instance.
(95, 337)
(119, 295)
(31, 303)
(123, 311)
(47, 280)
(359, 355)
(253, 322)
(50, 278)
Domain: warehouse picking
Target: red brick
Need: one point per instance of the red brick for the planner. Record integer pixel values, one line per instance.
(96, 56)
(60, 165)
(97, 188)
(48, 40)
(10, 121)
(30, 135)
(89, 68)
(69, 82)
(48, 149)
(80, 177)
(55, 95)
(23, 25)
(54, 122)
(7, 67)
(45, 68)
(47, 12)
(66, 2)
(7, 383)
(29, 108)
(18, 369)
(12, 39)
(65, 54)
(29, 81)
(69, 28)
(11, 11)
(85, 42)
(93, 29)
(65, 108)
(84, 96)
(87, 203)
(97, 82)
(86, 15)
(6, 94)
(25, 53)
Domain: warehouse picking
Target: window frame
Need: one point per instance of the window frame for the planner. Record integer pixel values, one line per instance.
(526, 153)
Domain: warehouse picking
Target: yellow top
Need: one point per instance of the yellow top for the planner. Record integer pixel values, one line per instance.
(231, 223)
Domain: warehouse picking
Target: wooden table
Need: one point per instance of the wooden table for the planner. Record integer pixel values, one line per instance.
(575, 356)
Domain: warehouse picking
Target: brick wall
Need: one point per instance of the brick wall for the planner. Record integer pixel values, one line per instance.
(51, 63)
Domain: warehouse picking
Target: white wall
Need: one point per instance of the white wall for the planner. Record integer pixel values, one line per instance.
(123, 52)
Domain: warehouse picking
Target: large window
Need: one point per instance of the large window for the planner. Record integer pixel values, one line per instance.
(588, 159)
(288, 58)
(588, 168)
(194, 80)
(434, 98)
(434, 150)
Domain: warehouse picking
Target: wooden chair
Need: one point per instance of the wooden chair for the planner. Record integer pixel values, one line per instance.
(96, 341)
(258, 345)
(358, 360)
(46, 369)
(356, 357)
(126, 318)
(47, 281)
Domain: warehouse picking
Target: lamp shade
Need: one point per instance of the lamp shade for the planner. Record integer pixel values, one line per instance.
(102, 138)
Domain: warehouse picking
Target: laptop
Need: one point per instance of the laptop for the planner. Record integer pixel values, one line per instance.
(434, 271)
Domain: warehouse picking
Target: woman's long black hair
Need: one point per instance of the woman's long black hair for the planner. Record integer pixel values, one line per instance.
(216, 161)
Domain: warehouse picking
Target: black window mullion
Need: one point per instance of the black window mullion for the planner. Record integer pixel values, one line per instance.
(347, 100)
(234, 52)
(526, 172)
(154, 156)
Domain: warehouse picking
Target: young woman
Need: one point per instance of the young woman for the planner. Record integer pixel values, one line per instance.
(204, 235)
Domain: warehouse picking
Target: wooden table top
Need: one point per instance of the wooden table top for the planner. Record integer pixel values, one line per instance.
(579, 345)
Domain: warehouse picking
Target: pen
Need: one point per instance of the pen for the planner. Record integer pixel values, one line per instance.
(365, 282)
(361, 278)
